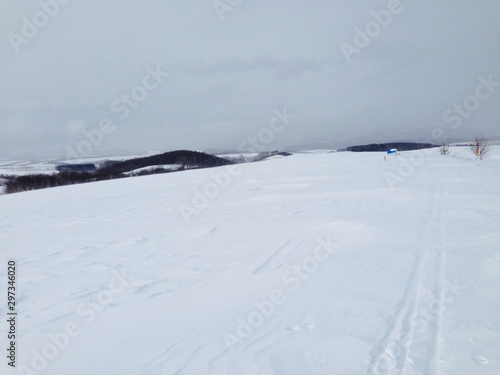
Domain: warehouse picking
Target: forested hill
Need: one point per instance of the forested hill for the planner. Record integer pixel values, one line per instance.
(70, 174)
(188, 159)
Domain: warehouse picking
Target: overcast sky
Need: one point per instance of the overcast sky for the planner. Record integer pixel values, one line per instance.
(232, 65)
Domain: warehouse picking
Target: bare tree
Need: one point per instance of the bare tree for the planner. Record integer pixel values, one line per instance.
(480, 147)
(444, 150)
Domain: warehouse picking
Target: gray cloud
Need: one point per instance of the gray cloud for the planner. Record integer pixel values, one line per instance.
(226, 77)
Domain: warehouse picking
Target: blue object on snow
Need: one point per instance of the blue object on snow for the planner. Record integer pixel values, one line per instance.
(392, 151)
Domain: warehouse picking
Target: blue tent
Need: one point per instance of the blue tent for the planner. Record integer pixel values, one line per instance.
(392, 151)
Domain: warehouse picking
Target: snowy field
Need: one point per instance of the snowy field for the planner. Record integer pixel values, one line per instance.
(326, 263)
(23, 167)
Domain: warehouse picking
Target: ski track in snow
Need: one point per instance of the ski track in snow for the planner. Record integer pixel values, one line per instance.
(406, 348)
(277, 261)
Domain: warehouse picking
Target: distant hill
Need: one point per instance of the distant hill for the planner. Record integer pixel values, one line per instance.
(188, 159)
(401, 146)
(81, 173)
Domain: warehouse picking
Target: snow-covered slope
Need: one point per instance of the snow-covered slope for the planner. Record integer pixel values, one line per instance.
(335, 263)
(168, 167)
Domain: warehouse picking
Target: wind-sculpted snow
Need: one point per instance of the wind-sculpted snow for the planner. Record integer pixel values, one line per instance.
(310, 264)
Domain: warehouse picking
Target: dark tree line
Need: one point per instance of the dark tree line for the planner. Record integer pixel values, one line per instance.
(264, 155)
(188, 159)
(76, 168)
(112, 170)
(401, 146)
(42, 181)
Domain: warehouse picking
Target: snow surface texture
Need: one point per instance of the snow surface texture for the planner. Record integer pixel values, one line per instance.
(335, 263)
